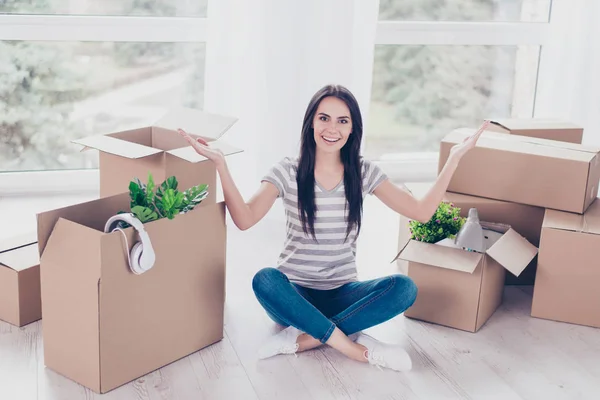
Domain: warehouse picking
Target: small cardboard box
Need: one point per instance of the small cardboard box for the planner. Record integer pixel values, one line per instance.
(459, 288)
(105, 326)
(160, 150)
(526, 220)
(20, 302)
(552, 129)
(568, 276)
(537, 172)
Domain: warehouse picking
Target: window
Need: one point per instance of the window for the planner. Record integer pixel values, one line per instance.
(155, 8)
(74, 68)
(54, 92)
(465, 10)
(440, 65)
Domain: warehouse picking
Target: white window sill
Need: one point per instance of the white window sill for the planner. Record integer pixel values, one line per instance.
(407, 167)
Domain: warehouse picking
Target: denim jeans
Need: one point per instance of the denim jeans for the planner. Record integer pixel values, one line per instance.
(352, 307)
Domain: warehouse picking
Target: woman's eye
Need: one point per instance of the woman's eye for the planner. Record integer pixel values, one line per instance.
(344, 121)
(323, 118)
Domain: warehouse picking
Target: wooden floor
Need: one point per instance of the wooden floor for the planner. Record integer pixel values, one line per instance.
(513, 356)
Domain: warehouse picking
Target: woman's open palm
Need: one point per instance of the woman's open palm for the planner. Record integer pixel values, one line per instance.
(460, 149)
(203, 148)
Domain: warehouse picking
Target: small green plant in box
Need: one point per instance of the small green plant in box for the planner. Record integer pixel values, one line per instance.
(445, 223)
(150, 202)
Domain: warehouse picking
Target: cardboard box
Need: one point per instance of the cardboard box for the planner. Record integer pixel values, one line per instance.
(537, 172)
(540, 128)
(526, 220)
(566, 284)
(159, 149)
(20, 302)
(105, 326)
(462, 289)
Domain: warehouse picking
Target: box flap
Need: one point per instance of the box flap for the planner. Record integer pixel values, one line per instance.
(589, 222)
(442, 254)
(189, 154)
(18, 241)
(513, 252)
(116, 146)
(22, 258)
(533, 123)
(490, 139)
(206, 125)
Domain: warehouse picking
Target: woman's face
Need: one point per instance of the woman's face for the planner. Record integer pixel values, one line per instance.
(332, 125)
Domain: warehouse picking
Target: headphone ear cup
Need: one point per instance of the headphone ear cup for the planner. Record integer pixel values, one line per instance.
(136, 255)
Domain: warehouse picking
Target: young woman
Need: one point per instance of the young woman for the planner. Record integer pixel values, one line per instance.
(314, 290)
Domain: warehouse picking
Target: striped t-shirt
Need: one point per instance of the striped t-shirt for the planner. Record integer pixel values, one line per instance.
(328, 262)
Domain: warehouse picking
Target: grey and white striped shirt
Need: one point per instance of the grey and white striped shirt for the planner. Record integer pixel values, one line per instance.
(328, 262)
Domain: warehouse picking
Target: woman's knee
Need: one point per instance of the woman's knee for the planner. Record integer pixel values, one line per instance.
(265, 279)
(405, 292)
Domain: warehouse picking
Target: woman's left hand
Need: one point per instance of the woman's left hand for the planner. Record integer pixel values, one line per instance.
(459, 150)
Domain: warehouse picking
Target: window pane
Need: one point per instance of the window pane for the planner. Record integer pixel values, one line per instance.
(420, 93)
(157, 8)
(465, 10)
(53, 92)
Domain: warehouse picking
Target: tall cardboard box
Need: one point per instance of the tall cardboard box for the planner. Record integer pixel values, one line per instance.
(160, 150)
(525, 219)
(552, 129)
(568, 277)
(537, 172)
(20, 302)
(459, 288)
(105, 326)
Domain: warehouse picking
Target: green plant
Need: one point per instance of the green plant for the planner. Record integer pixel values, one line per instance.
(445, 223)
(149, 202)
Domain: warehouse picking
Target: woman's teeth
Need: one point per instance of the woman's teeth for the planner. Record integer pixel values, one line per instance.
(330, 140)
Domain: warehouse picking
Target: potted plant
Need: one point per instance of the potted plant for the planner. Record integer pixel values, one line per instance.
(150, 202)
(445, 223)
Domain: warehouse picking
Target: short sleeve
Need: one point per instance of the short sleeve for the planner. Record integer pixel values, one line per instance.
(373, 176)
(279, 175)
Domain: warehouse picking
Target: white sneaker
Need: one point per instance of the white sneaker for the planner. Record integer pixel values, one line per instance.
(385, 355)
(283, 342)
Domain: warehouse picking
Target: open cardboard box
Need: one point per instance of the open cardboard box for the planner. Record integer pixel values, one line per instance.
(552, 129)
(20, 302)
(568, 277)
(537, 172)
(159, 149)
(459, 288)
(103, 325)
(525, 219)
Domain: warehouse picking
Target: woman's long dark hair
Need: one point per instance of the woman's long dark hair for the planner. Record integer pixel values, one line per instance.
(350, 155)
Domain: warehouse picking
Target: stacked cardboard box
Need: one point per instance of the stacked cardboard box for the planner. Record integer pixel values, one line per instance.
(20, 302)
(103, 325)
(546, 191)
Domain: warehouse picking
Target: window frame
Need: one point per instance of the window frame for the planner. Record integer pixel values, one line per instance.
(90, 29)
(401, 167)
(418, 167)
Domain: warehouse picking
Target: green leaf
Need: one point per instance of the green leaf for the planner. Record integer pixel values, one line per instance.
(144, 214)
(150, 190)
(137, 193)
(194, 196)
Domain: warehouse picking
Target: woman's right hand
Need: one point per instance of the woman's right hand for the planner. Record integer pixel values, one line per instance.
(204, 149)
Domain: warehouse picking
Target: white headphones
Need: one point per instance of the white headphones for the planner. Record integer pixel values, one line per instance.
(142, 257)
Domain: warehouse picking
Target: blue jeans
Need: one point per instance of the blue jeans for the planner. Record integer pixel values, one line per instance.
(352, 307)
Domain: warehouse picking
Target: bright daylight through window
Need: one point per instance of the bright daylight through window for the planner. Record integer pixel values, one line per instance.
(421, 92)
(55, 91)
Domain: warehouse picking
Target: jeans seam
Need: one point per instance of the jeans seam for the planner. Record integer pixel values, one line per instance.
(392, 284)
(328, 333)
